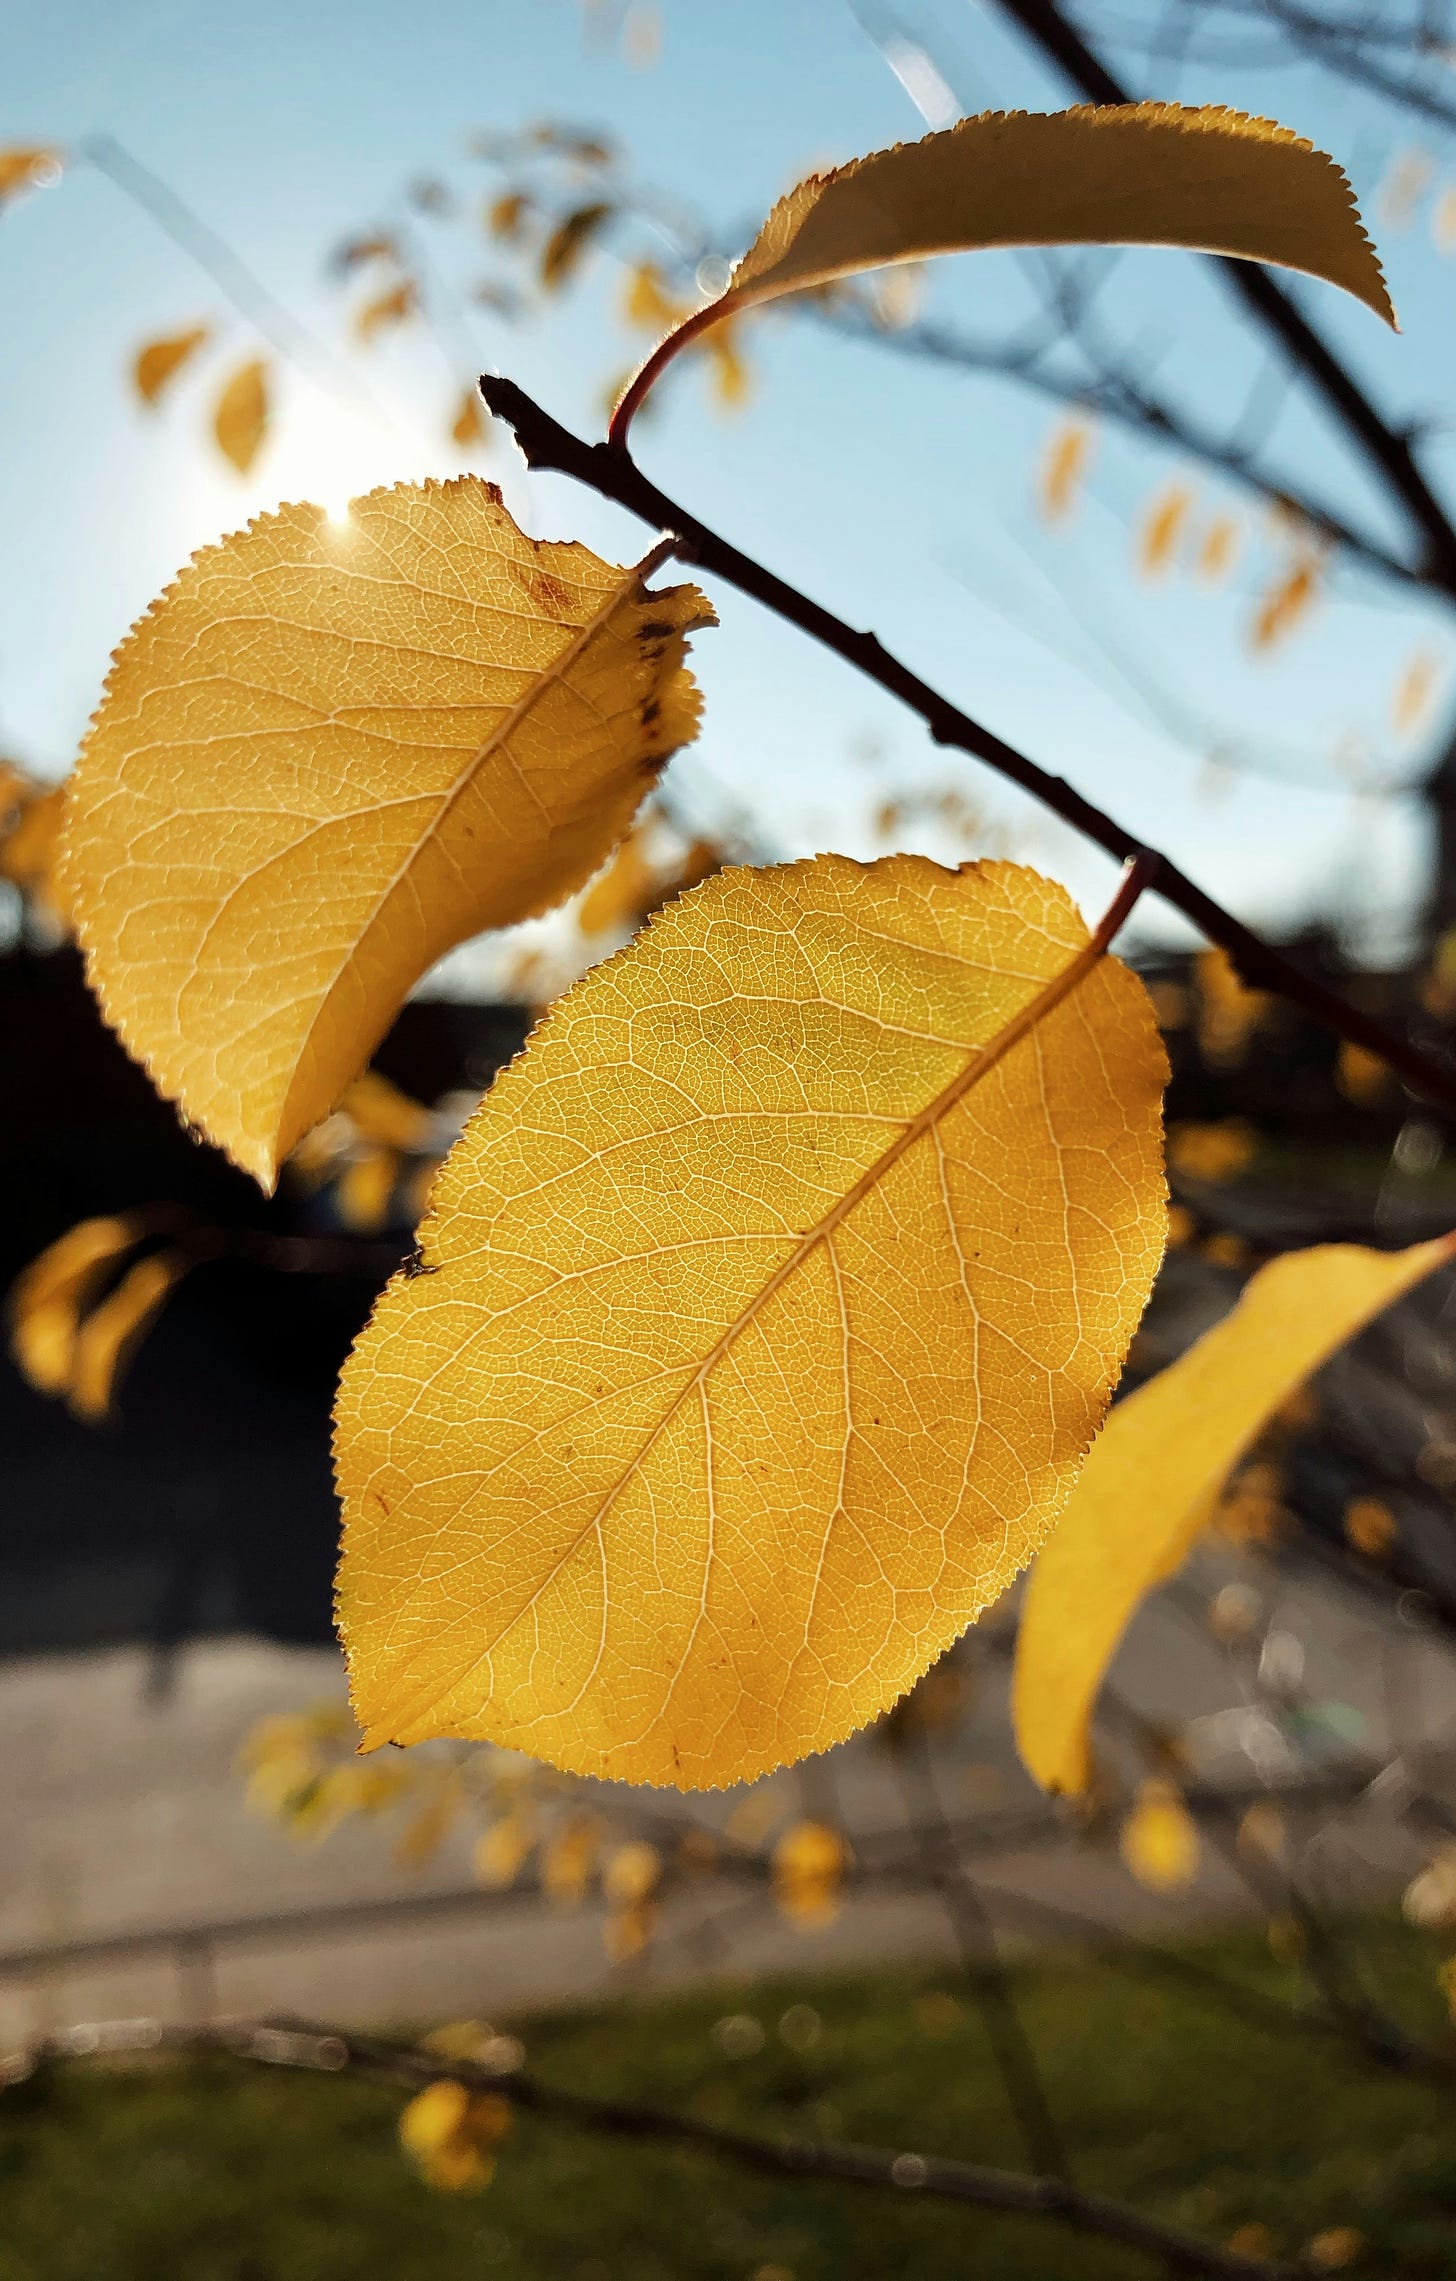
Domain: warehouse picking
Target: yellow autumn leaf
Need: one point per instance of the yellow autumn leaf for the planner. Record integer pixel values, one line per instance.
(1159, 1839)
(1411, 700)
(631, 1874)
(382, 1114)
(1288, 602)
(1162, 528)
(774, 1295)
(30, 848)
(808, 1870)
(26, 165)
(1208, 179)
(365, 1188)
(109, 1336)
(1217, 549)
(449, 2132)
(468, 425)
(386, 309)
(47, 1298)
(1153, 1477)
(569, 1859)
(1063, 467)
(624, 890)
(1371, 1527)
(443, 726)
(564, 250)
(160, 361)
(240, 421)
(501, 1851)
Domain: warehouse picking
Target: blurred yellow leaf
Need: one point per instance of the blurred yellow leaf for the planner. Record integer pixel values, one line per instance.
(1371, 1527)
(386, 310)
(631, 1873)
(240, 421)
(1335, 2248)
(47, 1297)
(1288, 601)
(448, 2133)
(1253, 2240)
(1063, 466)
(565, 249)
(569, 1859)
(731, 381)
(642, 35)
(161, 360)
(1159, 1839)
(1122, 174)
(109, 1336)
(1229, 1012)
(1403, 188)
(1161, 531)
(646, 301)
(30, 848)
(1250, 1510)
(1263, 1833)
(468, 426)
(1212, 1152)
(808, 1144)
(627, 1931)
(809, 1862)
(502, 1849)
(624, 891)
(1361, 1075)
(1411, 701)
(365, 1189)
(1152, 1477)
(380, 1113)
(1217, 549)
(424, 1834)
(554, 688)
(25, 165)
(1430, 1898)
(1443, 221)
(506, 217)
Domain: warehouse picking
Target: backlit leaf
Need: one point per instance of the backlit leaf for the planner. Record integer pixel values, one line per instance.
(808, 1870)
(1154, 1475)
(772, 1297)
(1117, 174)
(1063, 467)
(468, 426)
(47, 1298)
(25, 166)
(160, 361)
(1162, 529)
(240, 421)
(1159, 1839)
(441, 726)
(386, 309)
(365, 1188)
(564, 250)
(109, 1336)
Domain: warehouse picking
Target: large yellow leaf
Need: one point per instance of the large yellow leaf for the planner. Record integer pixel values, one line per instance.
(1157, 174)
(765, 1312)
(1149, 1485)
(329, 752)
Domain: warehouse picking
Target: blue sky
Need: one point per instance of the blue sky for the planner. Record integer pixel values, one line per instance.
(902, 496)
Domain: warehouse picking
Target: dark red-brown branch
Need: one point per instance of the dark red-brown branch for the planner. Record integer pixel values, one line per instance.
(547, 444)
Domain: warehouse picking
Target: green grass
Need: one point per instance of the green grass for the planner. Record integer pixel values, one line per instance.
(214, 2172)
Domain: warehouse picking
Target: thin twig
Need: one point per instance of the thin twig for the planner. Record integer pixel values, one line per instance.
(303, 2044)
(546, 444)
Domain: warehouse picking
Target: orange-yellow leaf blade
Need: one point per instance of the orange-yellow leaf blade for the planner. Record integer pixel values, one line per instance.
(331, 751)
(1150, 174)
(1148, 1485)
(110, 1335)
(240, 421)
(771, 1300)
(46, 1299)
(158, 364)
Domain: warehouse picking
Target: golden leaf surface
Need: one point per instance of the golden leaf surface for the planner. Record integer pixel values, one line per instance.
(1151, 174)
(1153, 1476)
(329, 752)
(766, 1309)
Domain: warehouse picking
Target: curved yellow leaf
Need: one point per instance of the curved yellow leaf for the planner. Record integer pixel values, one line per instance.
(1209, 179)
(110, 1335)
(1152, 1477)
(769, 1303)
(46, 1299)
(160, 361)
(240, 421)
(24, 166)
(329, 752)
